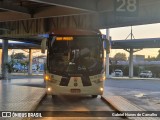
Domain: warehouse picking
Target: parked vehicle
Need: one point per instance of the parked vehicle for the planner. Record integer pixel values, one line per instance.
(118, 73)
(146, 74)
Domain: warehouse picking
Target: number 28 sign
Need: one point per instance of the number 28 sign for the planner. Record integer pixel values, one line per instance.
(126, 7)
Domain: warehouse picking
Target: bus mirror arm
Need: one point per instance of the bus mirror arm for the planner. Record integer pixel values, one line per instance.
(43, 45)
(106, 45)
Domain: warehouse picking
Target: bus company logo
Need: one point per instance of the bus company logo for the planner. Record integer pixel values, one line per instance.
(75, 82)
(6, 114)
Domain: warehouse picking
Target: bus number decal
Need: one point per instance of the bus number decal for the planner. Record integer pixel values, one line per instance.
(126, 5)
(121, 7)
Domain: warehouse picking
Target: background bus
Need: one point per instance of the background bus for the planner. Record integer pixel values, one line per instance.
(75, 63)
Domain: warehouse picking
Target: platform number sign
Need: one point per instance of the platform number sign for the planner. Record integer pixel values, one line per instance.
(126, 7)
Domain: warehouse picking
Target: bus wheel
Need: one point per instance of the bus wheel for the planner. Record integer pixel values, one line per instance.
(94, 96)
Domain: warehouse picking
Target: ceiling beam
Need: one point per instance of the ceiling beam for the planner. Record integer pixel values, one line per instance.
(9, 7)
(86, 5)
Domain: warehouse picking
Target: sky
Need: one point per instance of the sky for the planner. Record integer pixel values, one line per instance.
(141, 31)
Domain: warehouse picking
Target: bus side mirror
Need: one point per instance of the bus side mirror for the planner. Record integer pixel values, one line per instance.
(43, 45)
(104, 44)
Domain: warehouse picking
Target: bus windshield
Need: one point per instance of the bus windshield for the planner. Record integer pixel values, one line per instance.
(82, 54)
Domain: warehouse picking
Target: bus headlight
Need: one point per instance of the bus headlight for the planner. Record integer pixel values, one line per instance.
(101, 89)
(49, 89)
(46, 77)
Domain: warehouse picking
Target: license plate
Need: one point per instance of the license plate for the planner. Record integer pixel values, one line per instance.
(75, 90)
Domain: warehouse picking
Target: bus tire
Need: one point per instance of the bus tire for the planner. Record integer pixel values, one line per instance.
(94, 96)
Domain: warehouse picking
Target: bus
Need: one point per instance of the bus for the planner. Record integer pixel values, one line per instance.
(75, 63)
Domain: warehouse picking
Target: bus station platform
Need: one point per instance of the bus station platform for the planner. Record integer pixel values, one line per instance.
(129, 109)
(19, 98)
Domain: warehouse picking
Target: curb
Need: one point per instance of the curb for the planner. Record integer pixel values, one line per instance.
(158, 79)
(34, 108)
(103, 98)
(122, 105)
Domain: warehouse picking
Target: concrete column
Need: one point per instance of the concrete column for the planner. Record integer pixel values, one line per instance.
(4, 58)
(131, 63)
(0, 61)
(107, 56)
(30, 62)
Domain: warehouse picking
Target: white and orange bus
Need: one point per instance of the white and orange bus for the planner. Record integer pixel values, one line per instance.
(75, 63)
